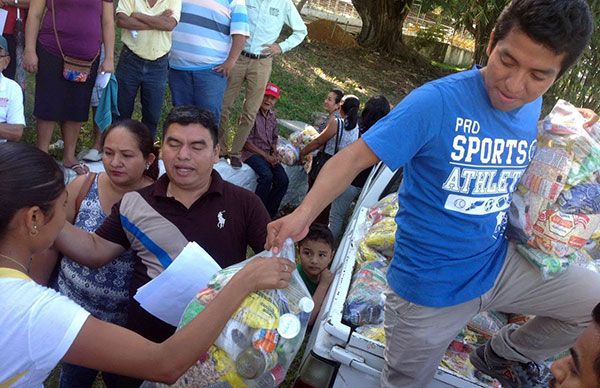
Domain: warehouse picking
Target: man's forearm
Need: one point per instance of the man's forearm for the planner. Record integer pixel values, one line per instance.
(159, 22)
(131, 23)
(12, 132)
(237, 45)
(254, 149)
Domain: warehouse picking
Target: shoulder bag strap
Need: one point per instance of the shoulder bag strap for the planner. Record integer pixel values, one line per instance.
(340, 128)
(85, 189)
(54, 27)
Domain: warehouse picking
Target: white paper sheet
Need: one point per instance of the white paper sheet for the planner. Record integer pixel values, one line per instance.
(102, 80)
(167, 295)
(3, 15)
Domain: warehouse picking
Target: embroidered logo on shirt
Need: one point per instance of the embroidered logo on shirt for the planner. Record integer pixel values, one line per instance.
(274, 11)
(221, 219)
(3, 102)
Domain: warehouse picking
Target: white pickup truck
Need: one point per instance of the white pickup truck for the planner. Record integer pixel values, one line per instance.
(337, 356)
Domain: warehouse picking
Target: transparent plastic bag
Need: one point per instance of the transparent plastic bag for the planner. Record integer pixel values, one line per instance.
(551, 266)
(301, 138)
(366, 299)
(287, 152)
(258, 344)
(373, 332)
(386, 207)
(382, 236)
(487, 323)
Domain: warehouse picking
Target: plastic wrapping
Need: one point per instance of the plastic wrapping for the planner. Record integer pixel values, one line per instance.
(259, 342)
(386, 207)
(382, 236)
(287, 152)
(366, 299)
(373, 332)
(300, 139)
(487, 323)
(366, 253)
(556, 210)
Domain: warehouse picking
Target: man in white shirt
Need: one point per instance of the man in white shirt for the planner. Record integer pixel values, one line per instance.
(12, 119)
(266, 18)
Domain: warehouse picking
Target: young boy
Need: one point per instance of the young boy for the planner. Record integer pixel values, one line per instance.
(316, 253)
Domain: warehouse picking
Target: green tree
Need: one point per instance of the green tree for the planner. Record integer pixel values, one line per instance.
(581, 84)
(477, 17)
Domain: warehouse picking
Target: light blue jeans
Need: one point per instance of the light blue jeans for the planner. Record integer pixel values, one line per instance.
(340, 209)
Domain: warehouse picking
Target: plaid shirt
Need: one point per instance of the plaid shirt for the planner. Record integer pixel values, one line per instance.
(264, 133)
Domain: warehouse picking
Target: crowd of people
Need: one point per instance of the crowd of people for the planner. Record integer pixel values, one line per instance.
(72, 257)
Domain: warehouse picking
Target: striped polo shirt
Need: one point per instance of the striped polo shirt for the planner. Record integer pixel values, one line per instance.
(202, 38)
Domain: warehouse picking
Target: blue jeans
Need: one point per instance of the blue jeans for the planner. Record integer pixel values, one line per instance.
(339, 210)
(150, 77)
(203, 88)
(74, 376)
(272, 182)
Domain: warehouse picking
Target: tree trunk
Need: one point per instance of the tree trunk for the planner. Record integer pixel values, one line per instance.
(382, 22)
(301, 5)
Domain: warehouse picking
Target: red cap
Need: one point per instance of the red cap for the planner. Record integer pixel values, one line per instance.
(273, 90)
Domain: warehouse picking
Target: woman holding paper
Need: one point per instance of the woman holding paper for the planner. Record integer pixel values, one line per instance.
(42, 327)
(130, 163)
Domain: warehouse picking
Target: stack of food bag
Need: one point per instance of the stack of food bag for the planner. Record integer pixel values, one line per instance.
(556, 209)
(258, 344)
(365, 301)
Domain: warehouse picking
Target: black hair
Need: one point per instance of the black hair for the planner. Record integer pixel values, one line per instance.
(338, 94)
(319, 232)
(28, 177)
(350, 105)
(144, 140)
(596, 317)
(375, 108)
(190, 114)
(563, 26)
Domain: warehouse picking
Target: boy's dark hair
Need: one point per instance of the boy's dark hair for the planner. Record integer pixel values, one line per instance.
(375, 108)
(338, 94)
(319, 232)
(596, 317)
(190, 114)
(563, 26)
(28, 177)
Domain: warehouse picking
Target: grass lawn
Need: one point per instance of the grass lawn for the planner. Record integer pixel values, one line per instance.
(305, 75)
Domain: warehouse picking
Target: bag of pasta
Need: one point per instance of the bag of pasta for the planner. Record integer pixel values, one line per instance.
(386, 207)
(258, 344)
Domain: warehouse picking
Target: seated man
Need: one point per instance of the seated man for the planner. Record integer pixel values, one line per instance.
(191, 202)
(260, 153)
(12, 119)
(582, 368)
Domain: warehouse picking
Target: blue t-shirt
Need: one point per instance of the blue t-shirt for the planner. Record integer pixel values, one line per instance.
(462, 160)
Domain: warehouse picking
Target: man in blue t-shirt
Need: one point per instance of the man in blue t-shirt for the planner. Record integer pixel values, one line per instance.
(464, 142)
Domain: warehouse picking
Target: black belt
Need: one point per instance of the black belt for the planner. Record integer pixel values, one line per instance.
(255, 56)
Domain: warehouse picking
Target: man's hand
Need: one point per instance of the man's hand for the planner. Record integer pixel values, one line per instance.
(271, 49)
(272, 159)
(167, 13)
(225, 67)
(294, 226)
(589, 115)
(30, 61)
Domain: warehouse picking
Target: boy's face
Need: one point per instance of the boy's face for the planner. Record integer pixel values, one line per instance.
(4, 59)
(315, 256)
(519, 70)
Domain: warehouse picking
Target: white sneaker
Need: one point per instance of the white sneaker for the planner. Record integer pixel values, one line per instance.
(92, 156)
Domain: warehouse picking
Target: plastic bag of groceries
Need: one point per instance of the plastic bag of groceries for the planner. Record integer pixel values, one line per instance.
(557, 207)
(382, 236)
(287, 152)
(258, 344)
(366, 299)
(386, 207)
(300, 139)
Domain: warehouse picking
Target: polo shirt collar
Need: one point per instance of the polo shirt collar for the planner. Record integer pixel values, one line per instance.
(216, 185)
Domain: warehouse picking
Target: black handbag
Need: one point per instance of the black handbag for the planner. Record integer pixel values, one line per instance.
(322, 157)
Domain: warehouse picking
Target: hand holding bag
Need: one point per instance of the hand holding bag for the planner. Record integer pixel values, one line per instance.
(322, 157)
